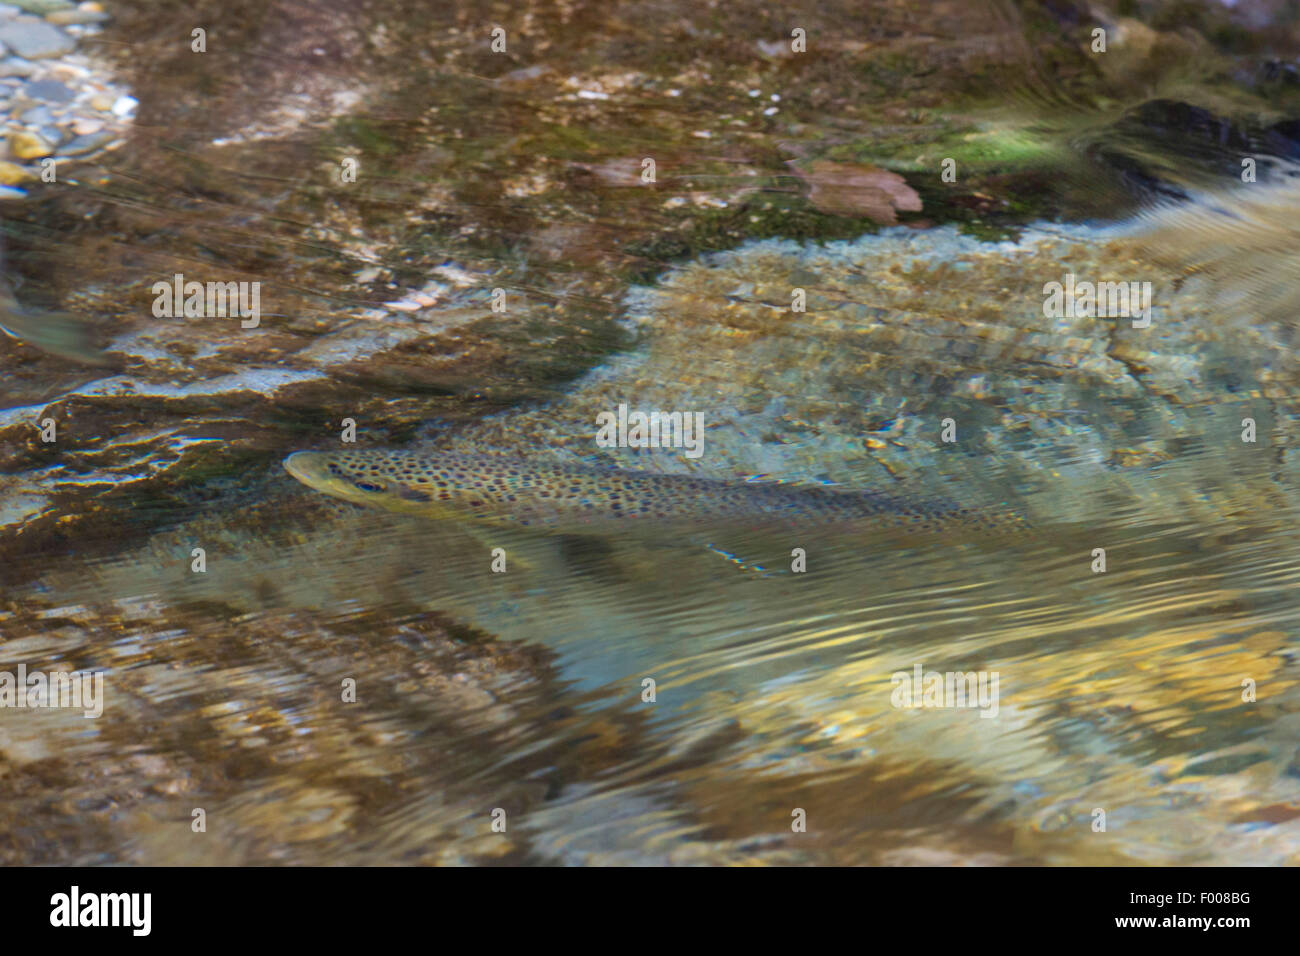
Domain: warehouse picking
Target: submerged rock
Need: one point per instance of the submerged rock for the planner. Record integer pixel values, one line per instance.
(908, 330)
(35, 39)
(259, 733)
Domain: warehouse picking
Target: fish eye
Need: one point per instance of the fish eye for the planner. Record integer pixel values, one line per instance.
(367, 486)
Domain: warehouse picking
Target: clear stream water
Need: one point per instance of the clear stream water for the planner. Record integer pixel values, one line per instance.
(1144, 714)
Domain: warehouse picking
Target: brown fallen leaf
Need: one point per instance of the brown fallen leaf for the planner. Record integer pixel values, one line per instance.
(848, 189)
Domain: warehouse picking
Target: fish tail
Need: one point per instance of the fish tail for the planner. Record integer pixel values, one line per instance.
(59, 333)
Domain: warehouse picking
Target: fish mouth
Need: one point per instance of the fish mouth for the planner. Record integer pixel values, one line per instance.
(307, 467)
(314, 469)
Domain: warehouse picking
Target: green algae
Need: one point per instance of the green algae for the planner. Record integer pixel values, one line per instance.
(770, 216)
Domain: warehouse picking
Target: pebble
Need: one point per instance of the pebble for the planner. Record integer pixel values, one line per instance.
(69, 71)
(403, 305)
(27, 145)
(8, 12)
(65, 18)
(42, 7)
(9, 192)
(37, 116)
(83, 125)
(35, 39)
(125, 105)
(14, 66)
(85, 144)
(11, 174)
(51, 91)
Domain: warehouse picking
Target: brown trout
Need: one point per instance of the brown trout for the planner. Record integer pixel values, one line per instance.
(582, 499)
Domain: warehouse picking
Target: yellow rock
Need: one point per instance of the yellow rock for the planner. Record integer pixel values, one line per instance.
(28, 146)
(11, 174)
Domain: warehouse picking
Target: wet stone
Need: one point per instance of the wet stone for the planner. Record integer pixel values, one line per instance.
(48, 91)
(35, 39)
(85, 144)
(37, 116)
(11, 174)
(15, 66)
(42, 7)
(65, 18)
(27, 145)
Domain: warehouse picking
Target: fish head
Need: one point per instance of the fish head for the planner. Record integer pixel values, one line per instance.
(392, 480)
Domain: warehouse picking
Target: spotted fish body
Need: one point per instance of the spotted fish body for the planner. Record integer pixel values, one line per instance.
(571, 498)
